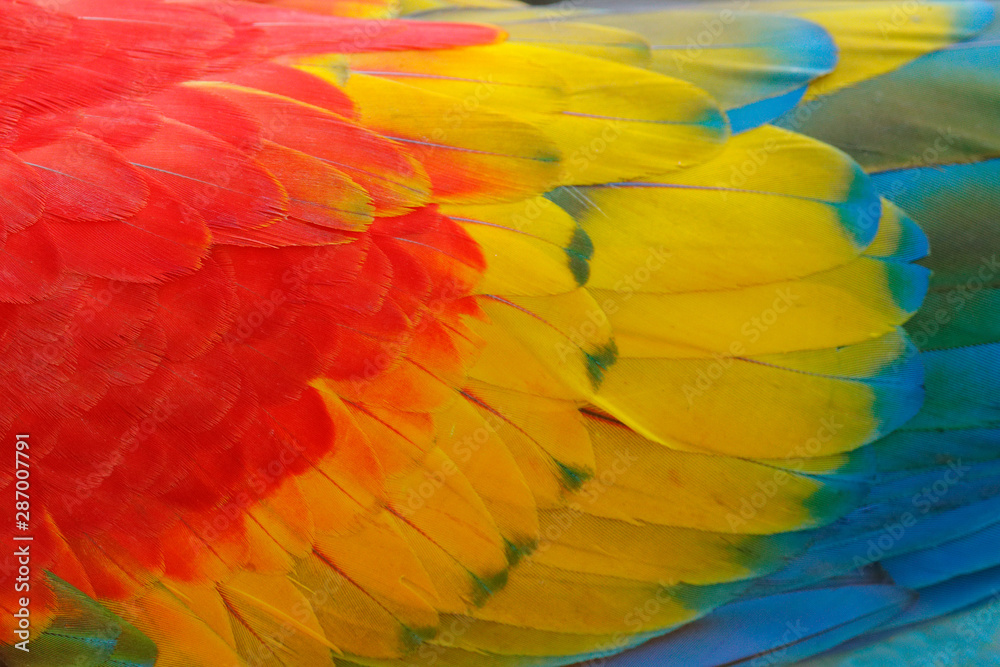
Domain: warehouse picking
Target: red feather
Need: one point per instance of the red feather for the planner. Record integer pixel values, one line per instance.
(21, 193)
(209, 176)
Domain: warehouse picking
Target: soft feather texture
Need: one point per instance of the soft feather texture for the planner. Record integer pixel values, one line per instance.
(381, 342)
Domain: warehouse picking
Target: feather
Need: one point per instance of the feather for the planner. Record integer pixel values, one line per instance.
(525, 339)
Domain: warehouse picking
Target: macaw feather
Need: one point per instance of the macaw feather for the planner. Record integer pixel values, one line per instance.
(498, 335)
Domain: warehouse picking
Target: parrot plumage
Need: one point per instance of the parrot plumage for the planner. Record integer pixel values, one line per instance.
(372, 333)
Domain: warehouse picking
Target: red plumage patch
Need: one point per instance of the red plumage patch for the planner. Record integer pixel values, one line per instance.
(179, 261)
